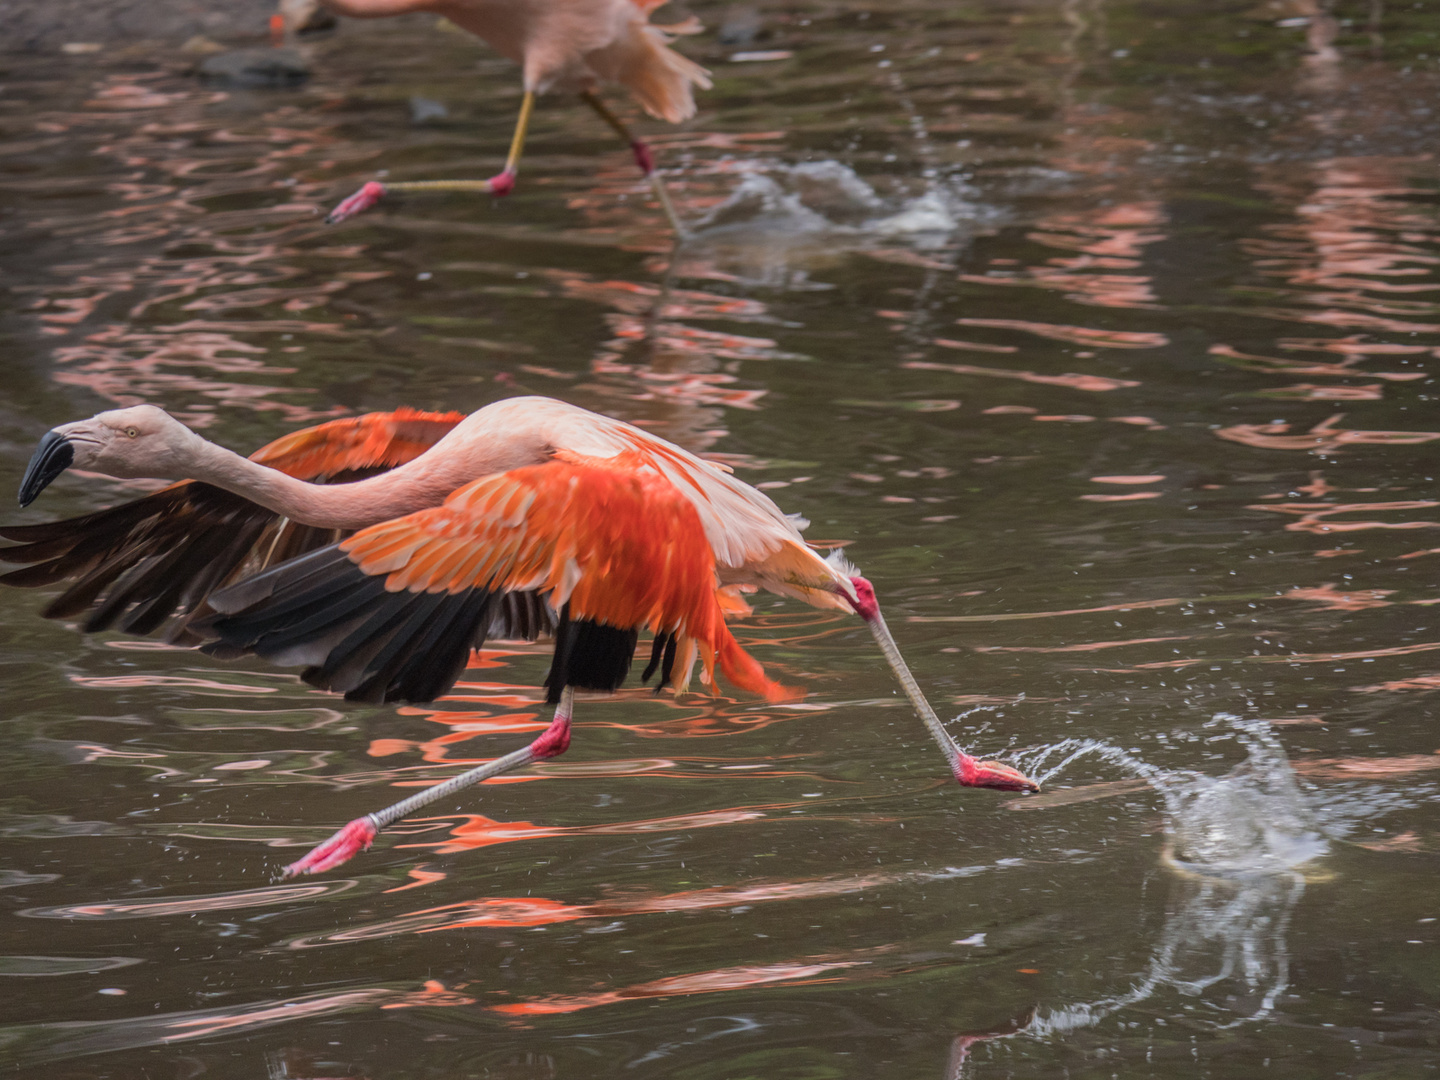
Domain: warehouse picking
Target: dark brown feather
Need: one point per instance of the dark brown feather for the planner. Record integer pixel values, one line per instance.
(154, 562)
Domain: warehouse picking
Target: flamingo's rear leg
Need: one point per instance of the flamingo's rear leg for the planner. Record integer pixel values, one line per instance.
(501, 183)
(359, 834)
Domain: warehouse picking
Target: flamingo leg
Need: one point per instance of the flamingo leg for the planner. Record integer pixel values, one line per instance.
(500, 184)
(359, 834)
(969, 771)
(644, 157)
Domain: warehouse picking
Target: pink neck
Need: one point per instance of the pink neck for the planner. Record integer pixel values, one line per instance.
(401, 491)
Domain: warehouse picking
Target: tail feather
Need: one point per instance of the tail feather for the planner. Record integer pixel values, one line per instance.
(745, 672)
(660, 78)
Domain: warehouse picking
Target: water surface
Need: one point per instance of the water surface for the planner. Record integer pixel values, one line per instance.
(1100, 332)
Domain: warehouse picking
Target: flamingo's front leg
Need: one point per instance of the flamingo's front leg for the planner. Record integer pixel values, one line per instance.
(969, 771)
(359, 834)
(502, 183)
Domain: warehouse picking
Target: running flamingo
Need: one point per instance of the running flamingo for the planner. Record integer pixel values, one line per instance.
(565, 45)
(528, 517)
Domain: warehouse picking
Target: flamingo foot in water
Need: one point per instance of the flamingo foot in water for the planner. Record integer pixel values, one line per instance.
(349, 841)
(362, 200)
(971, 772)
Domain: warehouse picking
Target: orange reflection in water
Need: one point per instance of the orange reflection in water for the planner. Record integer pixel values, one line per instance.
(525, 911)
(477, 831)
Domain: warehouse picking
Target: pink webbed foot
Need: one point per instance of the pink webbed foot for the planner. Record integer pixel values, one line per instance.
(349, 841)
(972, 772)
(358, 203)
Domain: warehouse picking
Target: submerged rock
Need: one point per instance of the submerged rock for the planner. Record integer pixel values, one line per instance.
(256, 68)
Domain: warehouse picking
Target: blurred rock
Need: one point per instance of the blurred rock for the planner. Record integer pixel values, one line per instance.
(305, 16)
(46, 25)
(200, 45)
(423, 110)
(740, 26)
(256, 68)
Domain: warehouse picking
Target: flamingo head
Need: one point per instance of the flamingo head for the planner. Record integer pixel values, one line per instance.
(141, 441)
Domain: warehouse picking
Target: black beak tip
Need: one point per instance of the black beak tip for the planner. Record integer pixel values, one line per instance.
(52, 457)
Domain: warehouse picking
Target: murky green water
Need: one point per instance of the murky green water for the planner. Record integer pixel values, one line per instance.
(1101, 331)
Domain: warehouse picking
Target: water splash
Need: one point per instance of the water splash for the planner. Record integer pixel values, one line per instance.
(1240, 842)
(826, 197)
(1253, 820)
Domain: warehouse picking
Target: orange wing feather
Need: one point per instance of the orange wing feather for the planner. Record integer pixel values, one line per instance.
(357, 443)
(610, 537)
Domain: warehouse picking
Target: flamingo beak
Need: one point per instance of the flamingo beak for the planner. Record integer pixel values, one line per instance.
(52, 457)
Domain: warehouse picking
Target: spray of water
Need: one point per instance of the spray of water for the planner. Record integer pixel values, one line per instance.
(1240, 842)
(827, 198)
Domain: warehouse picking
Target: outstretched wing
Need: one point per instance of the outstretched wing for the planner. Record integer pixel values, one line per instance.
(159, 557)
(605, 548)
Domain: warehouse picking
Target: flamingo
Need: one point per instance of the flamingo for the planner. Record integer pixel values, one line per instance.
(378, 551)
(565, 45)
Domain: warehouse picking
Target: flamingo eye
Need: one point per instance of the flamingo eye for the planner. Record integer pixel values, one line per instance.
(133, 433)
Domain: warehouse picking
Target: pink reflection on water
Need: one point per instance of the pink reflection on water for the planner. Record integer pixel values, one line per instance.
(126, 682)
(742, 977)
(1332, 599)
(1077, 335)
(1358, 768)
(1134, 605)
(1315, 517)
(129, 368)
(160, 124)
(1093, 646)
(154, 907)
(1280, 366)
(1311, 392)
(1095, 383)
(1324, 438)
(1291, 658)
(1106, 240)
(1415, 682)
